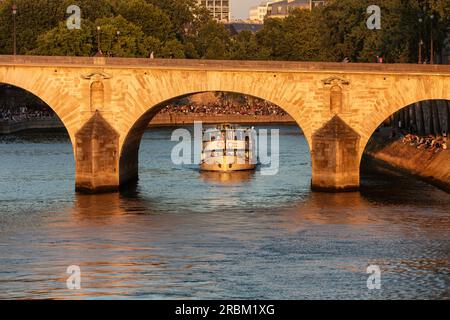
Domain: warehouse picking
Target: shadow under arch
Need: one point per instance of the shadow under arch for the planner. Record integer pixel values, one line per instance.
(423, 118)
(40, 99)
(129, 153)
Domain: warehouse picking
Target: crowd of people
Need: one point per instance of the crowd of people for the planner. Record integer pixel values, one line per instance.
(227, 107)
(432, 143)
(25, 113)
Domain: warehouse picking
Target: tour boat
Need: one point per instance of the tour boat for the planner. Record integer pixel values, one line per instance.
(228, 148)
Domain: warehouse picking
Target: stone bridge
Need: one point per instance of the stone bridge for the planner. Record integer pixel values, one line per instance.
(107, 103)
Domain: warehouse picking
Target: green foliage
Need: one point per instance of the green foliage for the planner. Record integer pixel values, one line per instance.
(33, 18)
(152, 20)
(346, 35)
(180, 12)
(182, 29)
(63, 42)
(244, 46)
(130, 41)
(92, 10)
(172, 49)
(213, 41)
(297, 37)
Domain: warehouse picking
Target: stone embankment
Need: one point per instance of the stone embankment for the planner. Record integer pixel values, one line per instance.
(13, 127)
(430, 166)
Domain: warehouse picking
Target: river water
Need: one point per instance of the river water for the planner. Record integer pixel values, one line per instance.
(180, 233)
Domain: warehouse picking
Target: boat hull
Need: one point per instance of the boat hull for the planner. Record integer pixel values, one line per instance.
(226, 164)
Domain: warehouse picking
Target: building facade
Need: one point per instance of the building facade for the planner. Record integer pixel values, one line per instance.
(282, 9)
(258, 13)
(220, 9)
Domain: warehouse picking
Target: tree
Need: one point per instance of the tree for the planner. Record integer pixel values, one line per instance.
(92, 10)
(297, 37)
(245, 47)
(172, 49)
(152, 20)
(32, 19)
(345, 33)
(344, 29)
(180, 12)
(63, 42)
(302, 37)
(129, 43)
(269, 38)
(189, 50)
(213, 41)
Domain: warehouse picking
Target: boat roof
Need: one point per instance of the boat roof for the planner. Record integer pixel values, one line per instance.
(226, 126)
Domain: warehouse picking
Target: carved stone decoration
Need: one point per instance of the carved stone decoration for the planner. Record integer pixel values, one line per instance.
(336, 99)
(336, 93)
(97, 89)
(95, 76)
(97, 96)
(331, 81)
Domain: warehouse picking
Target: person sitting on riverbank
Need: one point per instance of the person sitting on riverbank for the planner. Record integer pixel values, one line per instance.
(431, 143)
(16, 114)
(227, 107)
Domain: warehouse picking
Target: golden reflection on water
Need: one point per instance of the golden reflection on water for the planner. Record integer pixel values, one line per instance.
(186, 233)
(354, 210)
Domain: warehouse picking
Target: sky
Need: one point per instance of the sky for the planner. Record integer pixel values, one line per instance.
(240, 8)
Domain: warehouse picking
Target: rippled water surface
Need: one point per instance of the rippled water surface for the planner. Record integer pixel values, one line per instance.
(180, 233)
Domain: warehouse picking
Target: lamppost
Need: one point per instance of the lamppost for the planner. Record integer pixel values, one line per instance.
(432, 42)
(14, 12)
(98, 40)
(118, 42)
(420, 41)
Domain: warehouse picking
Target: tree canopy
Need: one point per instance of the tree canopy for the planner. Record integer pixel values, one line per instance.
(182, 29)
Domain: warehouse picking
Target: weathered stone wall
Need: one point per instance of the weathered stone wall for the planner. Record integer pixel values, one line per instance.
(429, 166)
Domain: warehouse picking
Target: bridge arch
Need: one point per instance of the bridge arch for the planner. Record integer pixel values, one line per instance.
(129, 151)
(396, 98)
(59, 103)
(42, 98)
(423, 117)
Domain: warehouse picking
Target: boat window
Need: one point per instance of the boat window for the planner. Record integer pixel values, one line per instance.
(230, 134)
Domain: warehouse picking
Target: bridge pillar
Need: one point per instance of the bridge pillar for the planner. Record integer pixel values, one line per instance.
(96, 154)
(129, 161)
(335, 157)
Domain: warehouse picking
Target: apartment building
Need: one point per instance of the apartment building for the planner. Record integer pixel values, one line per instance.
(220, 9)
(281, 9)
(258, 13)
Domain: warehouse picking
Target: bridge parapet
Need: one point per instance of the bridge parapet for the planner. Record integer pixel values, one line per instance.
(224, 65)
